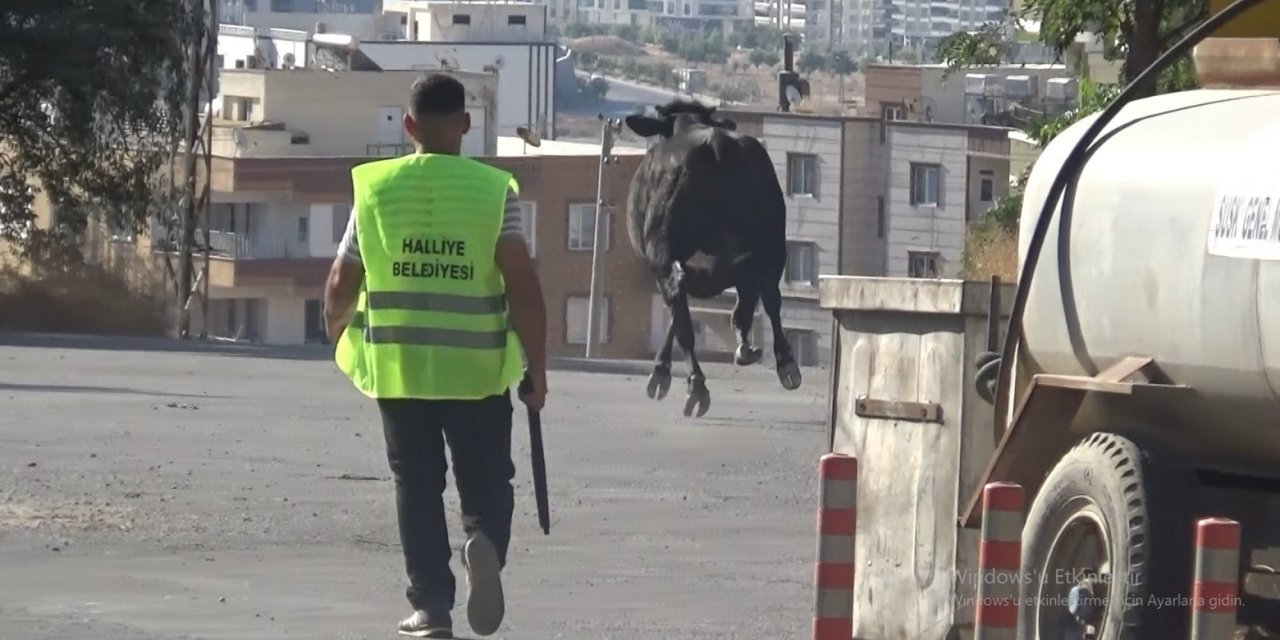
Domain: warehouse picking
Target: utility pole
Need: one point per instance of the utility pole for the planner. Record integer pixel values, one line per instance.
(608, 128)
(199, 132)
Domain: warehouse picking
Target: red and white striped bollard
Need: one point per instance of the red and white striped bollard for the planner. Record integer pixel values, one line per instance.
(999, 562)
(1214, 594)
(837, 523)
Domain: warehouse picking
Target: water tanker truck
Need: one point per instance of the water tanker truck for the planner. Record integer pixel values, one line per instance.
(1136, 393)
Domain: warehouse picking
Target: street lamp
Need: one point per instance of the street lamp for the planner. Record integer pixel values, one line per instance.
(608, 129)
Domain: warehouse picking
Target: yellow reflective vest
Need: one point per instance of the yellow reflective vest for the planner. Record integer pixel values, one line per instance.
(431, 320)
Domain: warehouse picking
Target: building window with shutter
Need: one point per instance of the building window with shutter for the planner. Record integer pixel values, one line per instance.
(582, 228)
(575, 320)
(926, 184)
(923, 264)
(802, 174)
(802, 263)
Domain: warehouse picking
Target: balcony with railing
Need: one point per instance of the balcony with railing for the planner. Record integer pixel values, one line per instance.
(242, 246)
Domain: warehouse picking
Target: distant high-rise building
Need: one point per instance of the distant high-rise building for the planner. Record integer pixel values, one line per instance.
(874, 26)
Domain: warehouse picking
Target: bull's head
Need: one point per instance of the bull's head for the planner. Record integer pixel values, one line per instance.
(664, 122)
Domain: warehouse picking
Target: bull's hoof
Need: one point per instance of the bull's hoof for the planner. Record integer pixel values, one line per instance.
(747, 355)
(699, 397)
(659, 383)
(789, 375)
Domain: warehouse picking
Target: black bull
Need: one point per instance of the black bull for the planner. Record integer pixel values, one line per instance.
(706, 212)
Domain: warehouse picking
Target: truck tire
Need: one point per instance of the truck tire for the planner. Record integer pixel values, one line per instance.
(1111, 521)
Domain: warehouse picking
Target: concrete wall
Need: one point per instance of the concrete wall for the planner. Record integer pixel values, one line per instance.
(816, 218)
(344, 112)
(237, 44)
(988, 152)
(890, 84)
(360, 25)
(925, 228)
(863, 239)
(526, 80)
(485, 22)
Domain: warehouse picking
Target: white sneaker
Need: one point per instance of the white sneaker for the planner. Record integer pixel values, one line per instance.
(485, 605)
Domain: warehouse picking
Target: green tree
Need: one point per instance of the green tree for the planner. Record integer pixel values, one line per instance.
(597, 89)
(91, 104)
(841, 64)
(987, 46)
(1136, 33)
(811, 60)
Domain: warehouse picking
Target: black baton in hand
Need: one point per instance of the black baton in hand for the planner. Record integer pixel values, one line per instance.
(539, 461)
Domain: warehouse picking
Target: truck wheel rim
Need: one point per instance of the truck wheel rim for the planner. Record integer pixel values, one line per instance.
(1079, 558)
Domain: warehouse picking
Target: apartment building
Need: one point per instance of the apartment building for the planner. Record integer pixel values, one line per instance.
(871, 27)
(867, 196)
(979, 95)
(476, 21)
(275, 297)
(278, 221)
(309, 112)
(725, 15)
(507, 39)
(364, 19)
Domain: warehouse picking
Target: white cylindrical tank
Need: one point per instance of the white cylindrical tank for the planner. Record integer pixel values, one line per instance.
(1171, 249)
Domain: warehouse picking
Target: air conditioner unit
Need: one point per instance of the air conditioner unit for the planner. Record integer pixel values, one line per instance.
(1061, 89)
(1022, 87)
(975, 84)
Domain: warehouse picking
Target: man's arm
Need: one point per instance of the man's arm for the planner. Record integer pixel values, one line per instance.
(524, 298)
(343, 286)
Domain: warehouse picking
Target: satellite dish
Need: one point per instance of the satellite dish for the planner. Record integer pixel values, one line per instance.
(793, 95)
(530, 137)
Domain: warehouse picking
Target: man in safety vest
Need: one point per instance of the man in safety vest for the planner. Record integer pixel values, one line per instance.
(430, 300)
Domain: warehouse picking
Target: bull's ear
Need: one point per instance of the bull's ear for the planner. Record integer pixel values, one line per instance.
(727, 124)
(647, 127)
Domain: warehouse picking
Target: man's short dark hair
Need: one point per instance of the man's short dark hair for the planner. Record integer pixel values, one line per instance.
(437, 94)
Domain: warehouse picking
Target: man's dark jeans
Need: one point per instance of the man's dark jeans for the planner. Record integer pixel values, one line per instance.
(478, 433)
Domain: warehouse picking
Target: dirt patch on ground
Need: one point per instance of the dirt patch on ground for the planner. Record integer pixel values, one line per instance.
(72, 516)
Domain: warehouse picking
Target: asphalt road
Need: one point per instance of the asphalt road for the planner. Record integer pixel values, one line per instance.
(152, 494)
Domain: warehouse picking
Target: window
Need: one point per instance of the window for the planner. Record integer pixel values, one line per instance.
(461, 18)
(923, 264)
(893, 112)
(880, 221)
(515, 20)
(529, 224)
(341, 214)
(804, 346)
(802, 263)
(986, 186)
(925, 184)
(802, 174)
(575, 320)
(582, 228)
(302, 228)
(121, 231)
